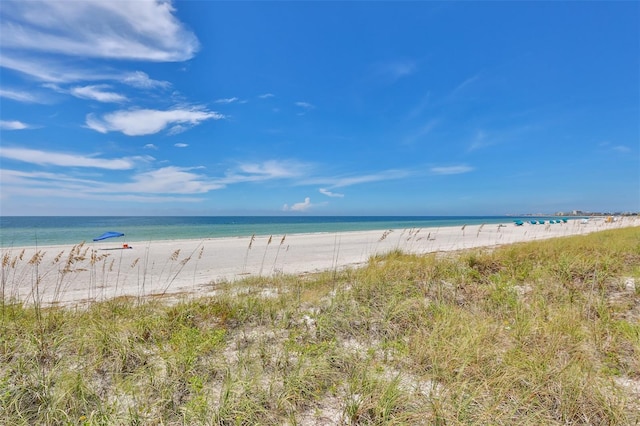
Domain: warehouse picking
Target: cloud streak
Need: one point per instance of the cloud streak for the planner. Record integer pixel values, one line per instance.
(97, 93)
(451, 170)
(139, 122)
(139, 30)
(328, 193)
(13, 125)
(43, 158)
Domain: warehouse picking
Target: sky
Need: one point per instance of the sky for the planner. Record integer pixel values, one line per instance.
(152, 107)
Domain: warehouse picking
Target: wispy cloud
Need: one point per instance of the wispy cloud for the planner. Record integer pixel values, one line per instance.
(141, 80)
(150, 146)
(140, 122)
(330, 194)
(393, 71)
(181, 145)
(226, 100)
(305, 105)
(40, 157)
(163, 185)
(97, 93)
(51, 70)
(13, 125)
(137, 30)
(451, 170)
(480, 140)
(20, 96)
(168, 180)
(621, 148)
(266, 96)
(421, 132)
(468, 82)
(341, 182)
(299, 207)
(267, 170)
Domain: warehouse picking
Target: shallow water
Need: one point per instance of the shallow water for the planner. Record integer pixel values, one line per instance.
(18, 231)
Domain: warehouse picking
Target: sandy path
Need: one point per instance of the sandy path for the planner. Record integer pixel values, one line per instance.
(195, 266)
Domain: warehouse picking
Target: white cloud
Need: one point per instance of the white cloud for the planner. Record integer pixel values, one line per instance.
(227, 100)
(45, 69)
(267, 170)
(168, 180)
(266, 96)
(97, 93)
(19, 96)
(13, 125)
(330, 194)
(148, 121)
(42, 185)
(341, 182)
(39, 157)
(273, 169)
(150, 146)
(451, 170)
(141, 80)
(135, 30)
(299, 207)
(181, 145)
(305, 105)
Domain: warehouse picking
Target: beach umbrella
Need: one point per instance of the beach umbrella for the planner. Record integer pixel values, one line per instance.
(110, 234)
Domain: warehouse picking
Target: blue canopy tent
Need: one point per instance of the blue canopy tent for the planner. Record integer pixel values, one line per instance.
(112, 234)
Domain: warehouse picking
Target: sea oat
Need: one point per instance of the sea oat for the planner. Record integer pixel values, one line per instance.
(36, 258)
(385, 234)
(57, 258)
(175, 254)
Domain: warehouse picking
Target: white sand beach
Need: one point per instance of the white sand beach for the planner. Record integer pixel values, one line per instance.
(71, 275)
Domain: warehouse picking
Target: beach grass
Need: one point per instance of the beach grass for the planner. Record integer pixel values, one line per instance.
(545, 332)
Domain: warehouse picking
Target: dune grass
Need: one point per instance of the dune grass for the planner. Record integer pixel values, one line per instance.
(546, 332)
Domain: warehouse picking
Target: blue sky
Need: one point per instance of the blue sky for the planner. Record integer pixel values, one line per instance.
(322, 108)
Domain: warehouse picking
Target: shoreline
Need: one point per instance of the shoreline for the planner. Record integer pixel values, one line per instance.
(83, 273)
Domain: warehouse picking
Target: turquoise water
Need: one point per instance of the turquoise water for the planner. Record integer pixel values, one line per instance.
(17, 231)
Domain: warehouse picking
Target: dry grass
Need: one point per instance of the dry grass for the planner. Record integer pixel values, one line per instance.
(537, 333)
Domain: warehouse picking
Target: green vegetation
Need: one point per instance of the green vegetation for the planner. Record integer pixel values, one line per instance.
(538, 333)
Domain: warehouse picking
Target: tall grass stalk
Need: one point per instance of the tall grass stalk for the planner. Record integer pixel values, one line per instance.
(246, 255)
(275, 260)
(264, 256)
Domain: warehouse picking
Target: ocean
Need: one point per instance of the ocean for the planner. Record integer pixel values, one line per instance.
(19, 231)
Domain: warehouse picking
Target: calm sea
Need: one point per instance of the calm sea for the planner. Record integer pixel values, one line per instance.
(17, 231)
